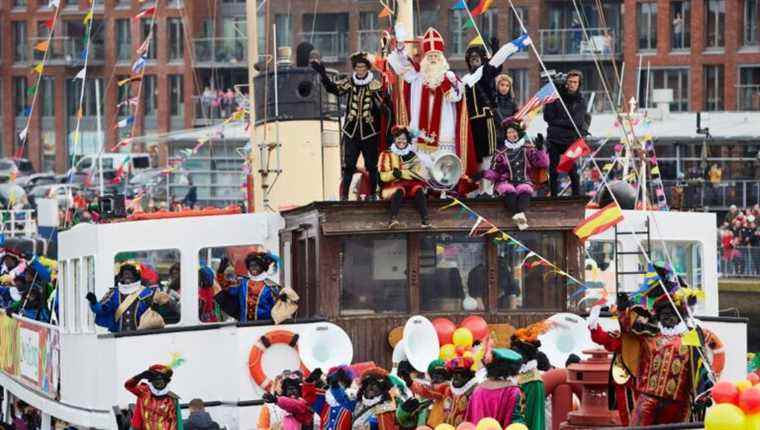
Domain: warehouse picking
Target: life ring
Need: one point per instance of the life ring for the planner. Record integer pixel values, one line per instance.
(141, 216)
(255, 367)
(715, 346)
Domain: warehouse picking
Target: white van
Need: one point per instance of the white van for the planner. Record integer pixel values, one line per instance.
(89, 164)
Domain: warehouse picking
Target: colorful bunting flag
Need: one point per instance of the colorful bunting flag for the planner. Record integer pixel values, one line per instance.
(39, 68)
(469, 24)
(385, 12)
(460, 5)
(143, 49)
(42, 46)
(31, 90)
(81, 74)
(123, 82)
(88, 17)
(54, 4)
(691, 338)
(599, 222)
(139, 65)
(478, 40)
(146, 13)
(23, 133)
(575, 151)
(49, 23)
(84, 54)
(482, 7)
(126, 122)
(475, 226)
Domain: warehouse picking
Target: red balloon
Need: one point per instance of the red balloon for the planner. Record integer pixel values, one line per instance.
(749, 400)
(754, 378)
(460, 350)
(725, 392)
(444, 328)
(477, 325)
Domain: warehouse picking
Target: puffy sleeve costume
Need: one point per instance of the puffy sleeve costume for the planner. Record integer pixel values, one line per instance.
(117, 311)
(154, 412)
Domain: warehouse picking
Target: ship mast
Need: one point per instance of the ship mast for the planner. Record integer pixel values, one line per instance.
(253, 56)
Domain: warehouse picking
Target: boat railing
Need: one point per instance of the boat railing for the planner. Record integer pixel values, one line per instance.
(18, 223)
(739, 262)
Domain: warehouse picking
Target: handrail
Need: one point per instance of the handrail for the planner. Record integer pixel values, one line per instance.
(572, 41)
(11, 219)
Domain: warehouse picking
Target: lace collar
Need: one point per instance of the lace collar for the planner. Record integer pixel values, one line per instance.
(361, 82)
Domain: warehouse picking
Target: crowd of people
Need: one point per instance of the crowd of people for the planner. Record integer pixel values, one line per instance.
(403, 116)
(27, 285)
(738, 236)
(218, 103)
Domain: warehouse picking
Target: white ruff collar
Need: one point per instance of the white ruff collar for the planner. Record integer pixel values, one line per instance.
(676, 330)
(401, 152)
(129, 288)
(464, 388)
(157, 392)
(361, 82)
(529, 366)
(515, 145)
(260, 277)
(330, 399)
(373, 401)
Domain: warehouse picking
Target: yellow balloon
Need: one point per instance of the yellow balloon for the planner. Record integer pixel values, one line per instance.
(743, 385)
(516, 426)
(725, 416)
(467, 354)
(753, 422)
(444, 426)
(488, 424)
(462, 337)
(448, 352)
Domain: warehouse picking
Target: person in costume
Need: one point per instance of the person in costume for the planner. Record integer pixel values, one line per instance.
(402, 173)
(499, 397)
(361, 125)
(622, 383)
(10, 260)
(156, 407)
(122, 306)
(436, 393)
(670, 374)
(513, 168)
(298, 414)
(462, 385)
(255, 295)
(334, 404)
(504, 104)
(375, 409)
(208, 309)
(525, 342)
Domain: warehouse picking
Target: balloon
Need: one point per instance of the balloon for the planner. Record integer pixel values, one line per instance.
(448, 352)
(753, 422)
(725, 392)
(466, 425)
(444, 426)
(467, 354)
(743, 385)
(477, 326)
(725, 416)
(444, 328)
(754, 378)
(469, 304)
(423, 428)
(516, 426)
(488, 424)
(749, 400)
(462, 337)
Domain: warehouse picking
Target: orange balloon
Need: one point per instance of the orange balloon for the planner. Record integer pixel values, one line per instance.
(743, 385)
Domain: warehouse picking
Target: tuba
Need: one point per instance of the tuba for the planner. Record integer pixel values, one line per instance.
(445, 172)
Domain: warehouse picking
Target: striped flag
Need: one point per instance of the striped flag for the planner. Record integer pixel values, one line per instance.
(544, 96)
(146, 13)
(599, 222)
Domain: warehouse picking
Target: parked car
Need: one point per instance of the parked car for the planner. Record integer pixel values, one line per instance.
(31, 181)
(63, 192)
(12, 195)
(8, 170)
(25, 167)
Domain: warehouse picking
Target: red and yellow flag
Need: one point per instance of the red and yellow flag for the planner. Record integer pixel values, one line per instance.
(605, 218)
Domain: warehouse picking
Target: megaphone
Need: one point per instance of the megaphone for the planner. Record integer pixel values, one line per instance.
(324, 346)
(420, 342)
(568, 335)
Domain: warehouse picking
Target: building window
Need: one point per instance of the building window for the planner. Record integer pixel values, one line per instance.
(123, 108)
(89, 103)
(749, 88)
(523, 284)
(428, 17)
(47, 137)
(19, 96)
(19, 3)
(150, 98)
(515, 30)
(123, 3)
(284, 30)
(374, 275)
(457, 41)
(714, 88)
(715, 11)
(328, 32)
(123, 40)
(680, 18)
(176, 39)
(646, 23)
(146, 32)
(751, 22)
(672, 79)
(488, 23)
(176, 95)
(21, 48)
(369, 32)
(452, 270)
(520, 85)
(233, 48)
(47, 97)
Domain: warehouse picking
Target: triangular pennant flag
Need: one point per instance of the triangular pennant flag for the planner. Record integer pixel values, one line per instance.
(42, 46)
(80, 113)
(385, 12)
(478, 40)
(81, 74)
(54, 3)
(143, 47)
(27, 111)
(23, 133)
(460, 5)
(123, 82)
(491, 230)
(475, 226)
(450, 205)
(139, 64)
(84, 54)
(691, 338)
(49, 23)
(39, 68)
(31, 90)
(146, 13)
(88, 17)
(125, 122)
(467, 25)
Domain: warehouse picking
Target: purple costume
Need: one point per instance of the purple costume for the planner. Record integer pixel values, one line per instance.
(502, 404)
(512, 169)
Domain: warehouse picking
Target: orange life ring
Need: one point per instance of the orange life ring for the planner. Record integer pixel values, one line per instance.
(257, 352)
(140, 216)
(715, 346)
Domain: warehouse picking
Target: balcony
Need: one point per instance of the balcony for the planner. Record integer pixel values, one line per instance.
(748, 96)
(212, 110)
(221, 52)
(330, 44)
(369, 40)
(67, 51)
(570, 45)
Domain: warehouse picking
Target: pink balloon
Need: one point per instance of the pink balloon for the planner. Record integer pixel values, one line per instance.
(466, 425)
(477, 325)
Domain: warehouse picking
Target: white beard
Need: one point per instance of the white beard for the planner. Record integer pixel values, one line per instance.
(433, 74)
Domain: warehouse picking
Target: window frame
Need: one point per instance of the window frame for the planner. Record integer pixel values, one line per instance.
(686, 33)
(651, 26)
(719, 32)
(718, 104)
(751, 31)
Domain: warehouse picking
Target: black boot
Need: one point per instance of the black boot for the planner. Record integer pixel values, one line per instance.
(511, 202)
(396, 199)
(420, 202)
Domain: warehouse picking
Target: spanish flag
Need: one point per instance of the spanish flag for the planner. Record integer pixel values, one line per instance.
(600, 221)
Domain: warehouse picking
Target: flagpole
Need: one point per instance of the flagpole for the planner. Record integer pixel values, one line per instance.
(100, 135)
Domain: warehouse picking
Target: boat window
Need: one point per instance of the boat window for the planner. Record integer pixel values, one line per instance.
(599, 271)
(76, 284)
(68, 292)
(685, 257)
(453, 272)
(374, 273)
(89, 274)
(159, 272)
(524, 281)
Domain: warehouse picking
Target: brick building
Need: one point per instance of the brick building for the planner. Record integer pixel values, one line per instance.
(193, 47)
